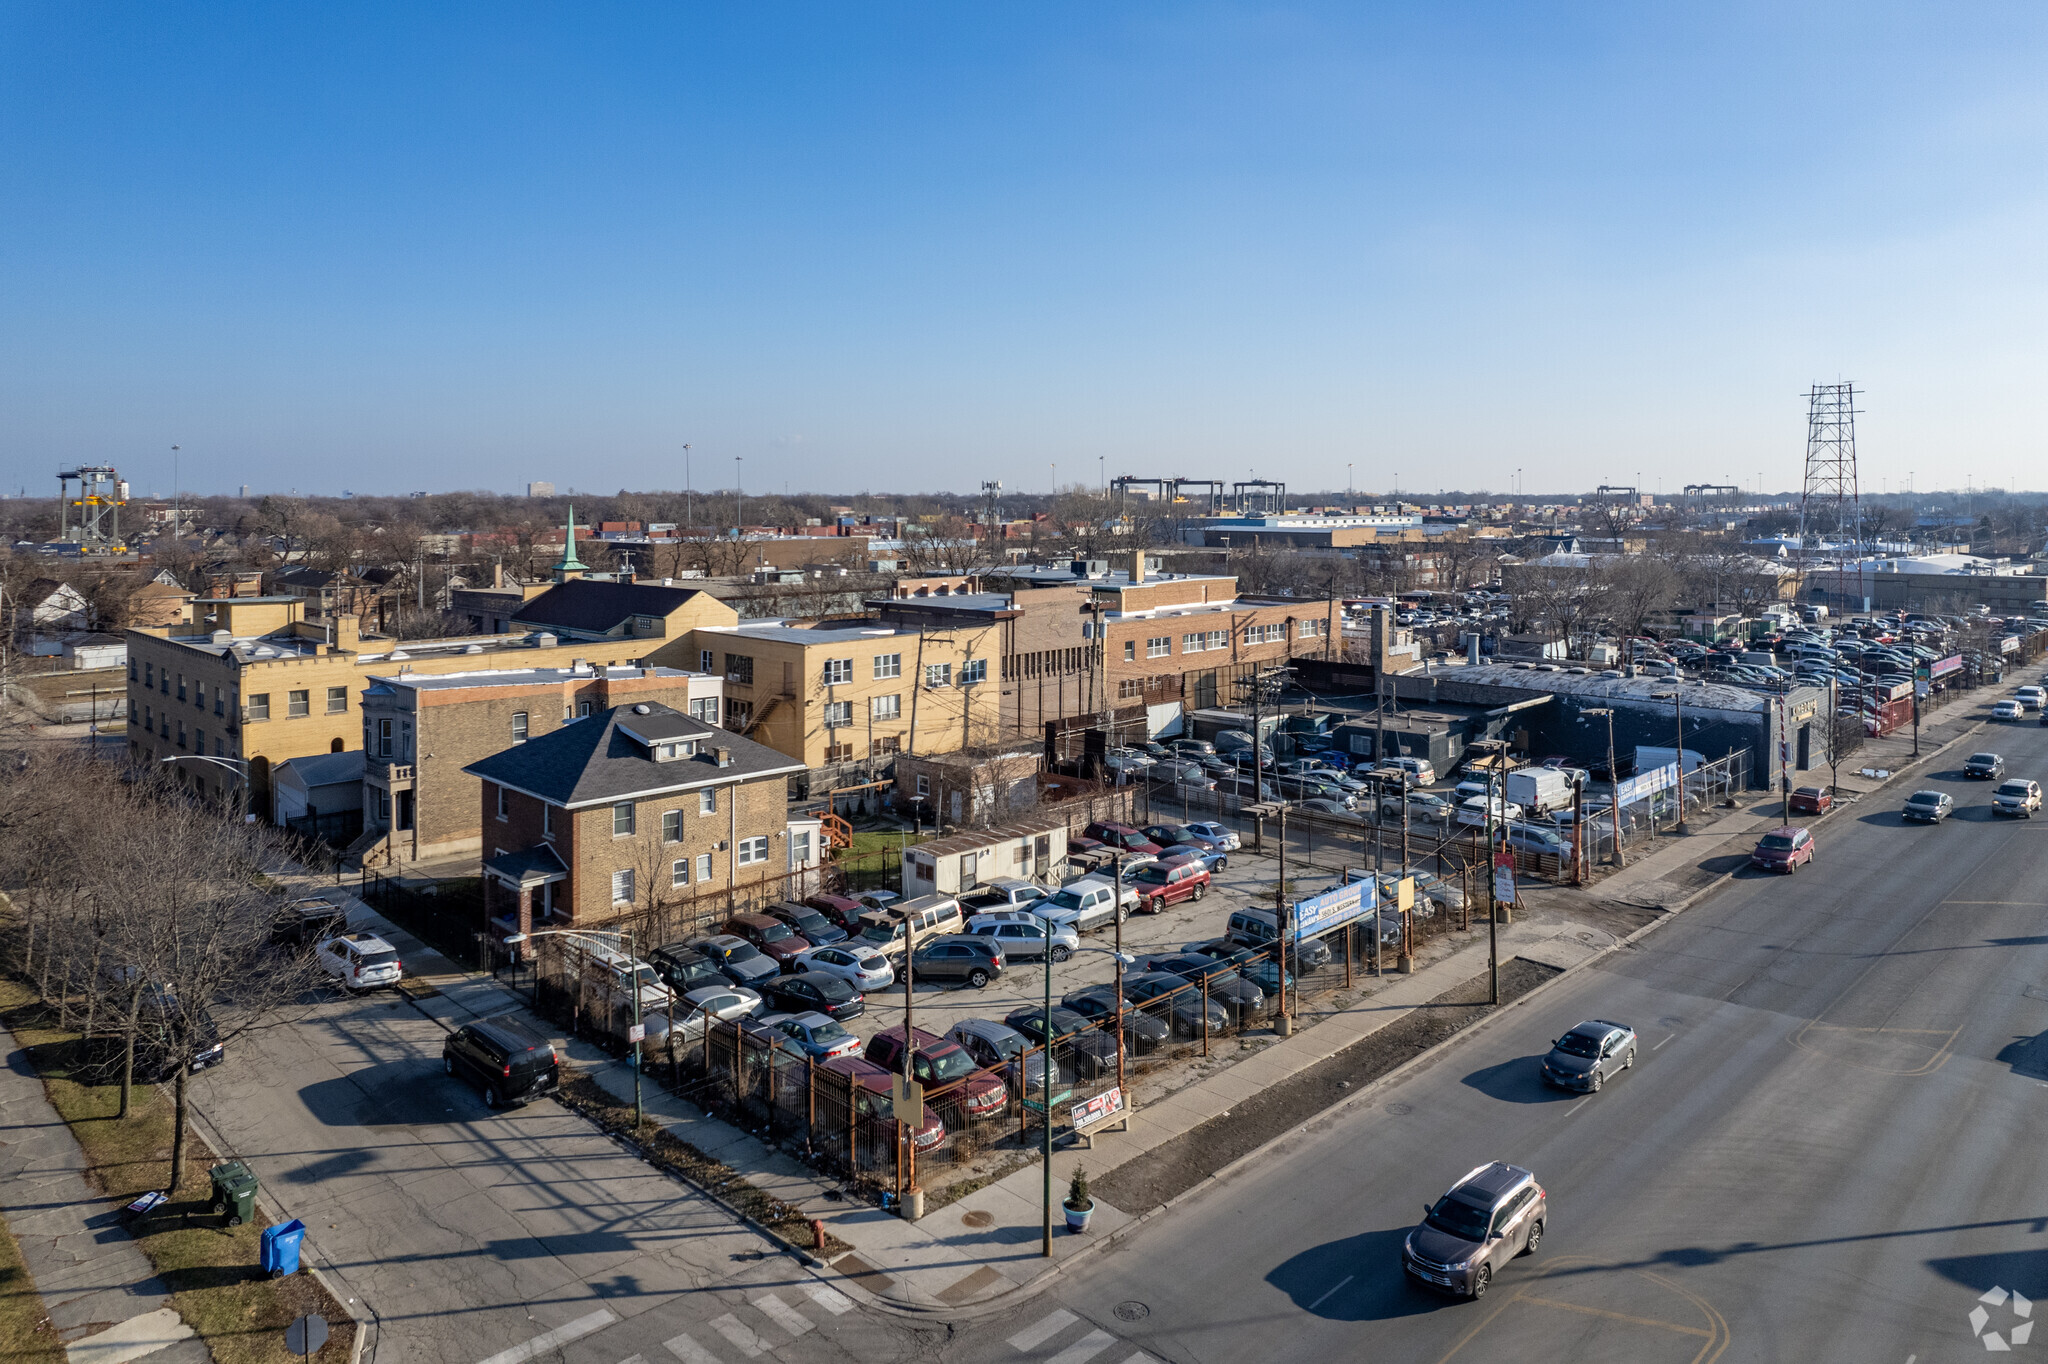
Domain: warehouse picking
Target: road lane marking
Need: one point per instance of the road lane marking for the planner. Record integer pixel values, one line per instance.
(549, 1341)
(1084, 1349)
(1679, 1327)
(1665, 1040)
(831, 1299)
(782, 1314)
(1142, 1358)
(1326, 1296)
(634, 1359)
(1044, 1329)
(689, 1351)
(740, 1335)
(1577, 1106)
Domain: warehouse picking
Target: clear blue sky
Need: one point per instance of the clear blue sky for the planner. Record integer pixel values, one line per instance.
(387, 247)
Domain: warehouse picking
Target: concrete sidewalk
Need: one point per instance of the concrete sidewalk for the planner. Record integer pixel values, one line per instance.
(104, 1299)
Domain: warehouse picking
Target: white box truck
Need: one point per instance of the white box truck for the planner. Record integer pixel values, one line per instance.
(1539, 790)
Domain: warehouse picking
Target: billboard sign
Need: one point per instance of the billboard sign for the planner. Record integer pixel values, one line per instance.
(1333, 908)
(1943, 667)
(1643, 785)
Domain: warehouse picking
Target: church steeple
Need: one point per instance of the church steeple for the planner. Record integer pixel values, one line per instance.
(570, 566)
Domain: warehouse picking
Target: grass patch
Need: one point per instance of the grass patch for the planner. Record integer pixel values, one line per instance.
(25, 1333)
(211, 1269)
(877, 849)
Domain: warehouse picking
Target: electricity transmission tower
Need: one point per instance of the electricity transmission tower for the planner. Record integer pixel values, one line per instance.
(1829, 510)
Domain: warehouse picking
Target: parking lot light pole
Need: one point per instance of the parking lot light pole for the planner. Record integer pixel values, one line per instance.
(1045, 1084)
(625, 943)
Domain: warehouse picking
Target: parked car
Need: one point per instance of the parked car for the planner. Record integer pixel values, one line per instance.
(1209, 859)
(1785, 849)
(1413, 771)
(1490, 1216)
(1180, 1004)
(1259, 967)
(2018, 797)
(815, 1035)
(1984, 767)
(1090, 1052)
(1928, 807)
(1179, 835)
(999, 1047)
(962, 958)
(359, 961)
(306, 923)
(873, 1088)
(1811, 800)
(1259, 928)
(740, 960)
(843, 910)
(1170, 883)
(1002, 892)
(2033, 698)
(858, 965)
(1330, 809)
(1025, 936)
(777, 940)
(1218, 979)
(504, 1058)
(722, 1002)
(812, 992)
(944, 1068)
(1421, 806)
(1098, 1004)
(1473, 812)
(1589, 1055)
(1121, 836)
(1088, 903)
(816, 929)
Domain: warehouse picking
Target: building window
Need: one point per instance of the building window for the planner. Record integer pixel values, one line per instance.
(1190, 644)
(1311, 629)
(753, 851)
(582, 709)
(165, 684)
(148, 718)
(337, 700)
(622, 819)
(181, 735)
(622, 887)
(707, 801)
(838, 753)
(705, 708)
(799, 848)
(882, 747)
(703, 866)
(974, 670)
(1265, 634)
(199, 695)
(384, 806)
(1160, 646)
(149, 676)
(501, 803)
(888, 666)
(1218, 639)
(924, 785)
(131, 670)
(218, 697)
(259, 706)
(518, 726)
(679, 872)
(738, 714)
(671, 826)
(837, 671)
(838, 714)
(298, 703)
(181, 686)
(739, 668)
(1130, 651)
(547, 820)
(886, 707)
(1129, 687)
(938, 675)
(707, 662)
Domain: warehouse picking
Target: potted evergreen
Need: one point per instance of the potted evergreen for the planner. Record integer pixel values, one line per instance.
(1079, 1206)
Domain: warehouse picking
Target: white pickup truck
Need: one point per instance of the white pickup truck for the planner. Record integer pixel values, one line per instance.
(1087, 903)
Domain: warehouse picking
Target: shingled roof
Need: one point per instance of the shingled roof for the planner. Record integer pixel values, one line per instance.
(596, 607)
(597, 759)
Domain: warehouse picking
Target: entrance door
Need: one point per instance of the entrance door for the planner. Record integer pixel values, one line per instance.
(1805, 747)
(404, 810)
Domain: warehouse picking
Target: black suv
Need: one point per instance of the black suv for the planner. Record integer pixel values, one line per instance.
(684, 969)
(303, 923)
(505, 1058)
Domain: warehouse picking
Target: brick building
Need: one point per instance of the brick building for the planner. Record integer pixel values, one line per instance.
(632, 808)
(421, 730)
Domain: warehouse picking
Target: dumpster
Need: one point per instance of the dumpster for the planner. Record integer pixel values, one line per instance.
(279, 1253)
(234, 1191)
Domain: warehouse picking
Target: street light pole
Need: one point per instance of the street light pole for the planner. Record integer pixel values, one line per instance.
(1045, 1087)
(1678, 706)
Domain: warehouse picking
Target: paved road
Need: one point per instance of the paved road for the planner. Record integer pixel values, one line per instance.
(476, 1236)
(1830, 1150)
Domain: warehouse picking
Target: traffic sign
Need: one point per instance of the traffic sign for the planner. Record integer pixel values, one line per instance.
(636, 1033)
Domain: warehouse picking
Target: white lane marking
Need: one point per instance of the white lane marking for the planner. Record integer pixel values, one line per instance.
(551, 1340)
(739, 1334)
(1577, 1106)
(1044, 1329)
(782, 1314)
(634, 1359)
(1326, 1297)
(689, 1351)
(1667, 1039)
(1084, 1349)
(831, 1299)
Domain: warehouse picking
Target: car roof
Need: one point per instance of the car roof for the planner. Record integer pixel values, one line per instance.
(986, 1028)
(1937, 795)
(1493, 1181)
(810, 1018)
(509, 1028)
(1787, 830)
(705, 990)
(678, 952)
(369, 940)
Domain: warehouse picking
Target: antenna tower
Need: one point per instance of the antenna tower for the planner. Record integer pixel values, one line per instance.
(1828, 502)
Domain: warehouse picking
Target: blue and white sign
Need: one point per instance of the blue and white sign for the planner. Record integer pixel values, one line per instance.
(1643, 785)
(1334, 908)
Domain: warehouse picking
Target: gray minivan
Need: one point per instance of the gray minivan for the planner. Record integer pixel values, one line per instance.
(1261, 928)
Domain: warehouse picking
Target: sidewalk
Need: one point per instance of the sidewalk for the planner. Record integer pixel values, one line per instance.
(104, 1300)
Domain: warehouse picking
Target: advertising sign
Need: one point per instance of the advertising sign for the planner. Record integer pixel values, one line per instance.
(1104, 1106)
(1320, 913)
(1943, 667)
(1643, 785)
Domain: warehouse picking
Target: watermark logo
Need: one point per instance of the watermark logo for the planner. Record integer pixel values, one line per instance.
(2015, 1334)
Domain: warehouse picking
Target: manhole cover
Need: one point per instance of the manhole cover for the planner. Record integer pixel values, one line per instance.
(979, 1219)
(1132, 1311)
(1400, 1110)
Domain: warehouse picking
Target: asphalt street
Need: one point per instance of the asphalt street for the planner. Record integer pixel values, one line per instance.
(1829, 1150)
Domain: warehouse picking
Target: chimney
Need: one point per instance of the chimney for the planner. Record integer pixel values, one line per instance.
(498, 573)
(1137, 566)
(724, 756)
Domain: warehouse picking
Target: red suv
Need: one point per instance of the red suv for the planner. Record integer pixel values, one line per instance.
(840, 910)
(946, 1071)
(776, 939)
(873, 1086)
(1121, 836)
(1168, 883)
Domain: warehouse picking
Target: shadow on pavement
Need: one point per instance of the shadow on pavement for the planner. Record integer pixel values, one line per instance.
(395, 1094)
(1378, 1289)
(1517, 1082)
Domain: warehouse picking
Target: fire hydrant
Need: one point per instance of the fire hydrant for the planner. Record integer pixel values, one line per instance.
(817, 1234)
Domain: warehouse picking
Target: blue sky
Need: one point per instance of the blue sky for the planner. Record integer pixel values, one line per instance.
(387, 247)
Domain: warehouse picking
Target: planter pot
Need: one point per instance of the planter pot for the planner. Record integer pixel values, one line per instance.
(1077, 1218)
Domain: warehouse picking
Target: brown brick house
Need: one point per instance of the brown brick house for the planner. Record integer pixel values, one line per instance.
(632, 808)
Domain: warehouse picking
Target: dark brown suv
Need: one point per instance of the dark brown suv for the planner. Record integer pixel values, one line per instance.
(946, 1071)
(774, 937)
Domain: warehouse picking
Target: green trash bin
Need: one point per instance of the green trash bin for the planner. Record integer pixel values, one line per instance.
(234, 1192)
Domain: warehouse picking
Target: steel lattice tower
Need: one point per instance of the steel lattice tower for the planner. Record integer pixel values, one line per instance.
(1828, 501)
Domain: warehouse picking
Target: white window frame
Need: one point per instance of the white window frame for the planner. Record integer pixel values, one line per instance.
(973, 672)
(838, 671)
(753, 851)
(703, 866)
(622, 881)
(671, 826)
(888, 707)
(707, 801)
(838, 714)
(501, 804)
(1161, 646)
(888, 666)
(627, 811)
(938, 674)
(679, 872)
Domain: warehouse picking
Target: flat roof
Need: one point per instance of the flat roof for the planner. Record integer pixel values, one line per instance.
(512, 677)
(825, 633)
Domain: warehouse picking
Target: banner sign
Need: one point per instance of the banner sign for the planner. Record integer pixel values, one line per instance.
(1104, 1106)
(1943, 667)
(1320, 913)
(1504, 885)
(2009, 645)
(1643, 785)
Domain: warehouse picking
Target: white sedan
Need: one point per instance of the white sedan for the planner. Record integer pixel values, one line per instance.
(861, 967)
(2007, 710)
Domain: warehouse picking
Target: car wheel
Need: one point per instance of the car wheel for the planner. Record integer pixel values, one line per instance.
(1628, 1062)
(1200, 891)
(448, 1063)
(1535, 1239)
(491, 1096)
(1123, 912)
(1480, 1282)
(1061, 954)
(978, 978)
(1598, 1079)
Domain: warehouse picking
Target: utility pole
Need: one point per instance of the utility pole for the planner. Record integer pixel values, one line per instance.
(1492, 906)
(689, 498)
(1613, 779)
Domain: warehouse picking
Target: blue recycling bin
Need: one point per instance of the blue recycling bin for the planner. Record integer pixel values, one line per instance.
(279, 1253)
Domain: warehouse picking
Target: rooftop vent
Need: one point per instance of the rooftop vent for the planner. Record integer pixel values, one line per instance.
(543, 641)
(222, 637)
(643, 709)
(397, 654)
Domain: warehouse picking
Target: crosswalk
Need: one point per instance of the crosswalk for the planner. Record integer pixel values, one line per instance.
(1046, 1331)
(750, 1336)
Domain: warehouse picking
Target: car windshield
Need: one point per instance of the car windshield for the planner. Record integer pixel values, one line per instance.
(1154, 874)
(746, 951)
(1066, 899)
(879, 933)
(376, 958)
(949, 1063)
(1776, 842)
(1007, 1046)
(775, 934)
(811, 923)
(2013, 788)
(1985, 758)
(1578, 1044)
(1924, 798)
(1461, 1219)
(829, 1033)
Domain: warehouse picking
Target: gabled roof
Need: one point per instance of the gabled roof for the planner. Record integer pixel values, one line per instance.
(539, 863)
(596, 759)
(326, 769)
(599, 608)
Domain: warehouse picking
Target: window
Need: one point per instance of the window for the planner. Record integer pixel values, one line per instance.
(181, 686)
(1265, 634)
(704, 708)
(1218, 639)
(799, 847)
(1129, 687)
(972, 671)
(547, 820)
(519, 726)
(219, 695)
(753, 851)
(679, 872)
(259, 706)
(1160, 646)
(738, 714)
(148, 718)
(383, 738)
(672, 826)
(337, 700)
(622, 819)
(199, 695)
(131, 670)
(1191, 644)
(1130, 651)
(924, 785)
(886, 707)
(938, 675)
(703, 866)
(739, 668)
(838, 753)
(707, 801)
(882, 747)
(838, 670)
(582, 709)
(838, 714)
(622, 887)
(501, 803)
(707, 662)
(165, 685)
(1312, 629)
(888, 666)
(181, 733)
(299, 703)
(149, 676)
